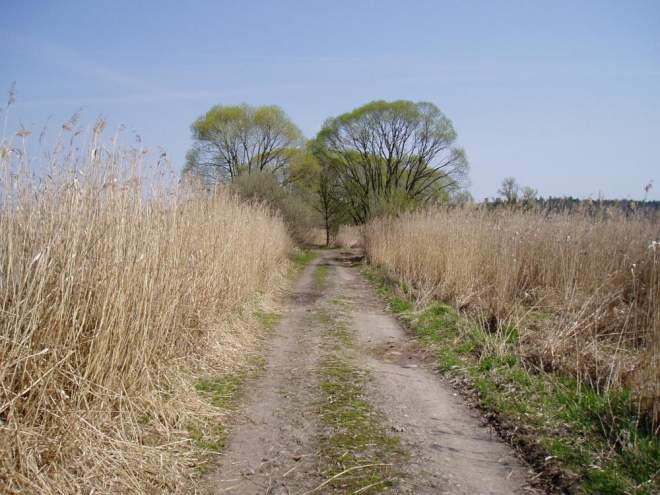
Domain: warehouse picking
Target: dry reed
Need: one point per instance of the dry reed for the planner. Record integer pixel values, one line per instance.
(584, 287)
(349, 236)
(114, 281)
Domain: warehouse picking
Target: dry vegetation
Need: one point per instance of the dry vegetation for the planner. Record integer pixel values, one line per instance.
(349, 236)
(582, 289)
(118, 288)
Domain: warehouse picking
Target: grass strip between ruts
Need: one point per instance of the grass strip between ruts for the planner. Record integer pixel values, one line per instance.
(356, 450)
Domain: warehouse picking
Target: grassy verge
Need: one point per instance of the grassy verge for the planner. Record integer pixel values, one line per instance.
(357, 453)
(267, 320)
(223, 393)
(579, 439)
(303, 258)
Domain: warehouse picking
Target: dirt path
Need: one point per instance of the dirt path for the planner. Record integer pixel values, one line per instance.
(283, 440)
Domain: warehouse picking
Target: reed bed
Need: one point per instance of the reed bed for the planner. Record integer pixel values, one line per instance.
(317, 236)
(582, 289)
(117, 285)
(349, 236)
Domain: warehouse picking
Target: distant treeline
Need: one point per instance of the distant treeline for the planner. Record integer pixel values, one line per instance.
(569, 204)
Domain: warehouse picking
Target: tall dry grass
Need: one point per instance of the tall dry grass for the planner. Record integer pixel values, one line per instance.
(114, 280)
(585, 287)
(349, 236)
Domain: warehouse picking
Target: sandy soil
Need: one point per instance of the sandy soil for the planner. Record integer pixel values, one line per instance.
(271, 448)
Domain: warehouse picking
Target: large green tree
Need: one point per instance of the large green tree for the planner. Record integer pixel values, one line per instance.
(392, 155)
(229, 141)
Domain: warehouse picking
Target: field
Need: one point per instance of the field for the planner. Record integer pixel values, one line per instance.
(531, 306)
(132, 301)
(120, 288)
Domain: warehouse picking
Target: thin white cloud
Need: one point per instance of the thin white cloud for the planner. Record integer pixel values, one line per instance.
(55, 54)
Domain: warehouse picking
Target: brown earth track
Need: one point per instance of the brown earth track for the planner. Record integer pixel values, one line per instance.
(272, 446)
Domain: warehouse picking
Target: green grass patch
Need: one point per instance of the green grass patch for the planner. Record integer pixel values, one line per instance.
(321, 276)
(398, 305)
(221, 391)
(580, 439)
(213, 442)
(353, 441)
(268, 320)
(303, 258)
(400, 295)
(355, 438)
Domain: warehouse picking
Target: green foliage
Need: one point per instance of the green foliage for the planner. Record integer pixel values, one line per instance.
(304, 170)
(330, 205)
(230, 141)
(261, 152)
(300, 219)
(391, 156)
(380, 159)
(263, 187)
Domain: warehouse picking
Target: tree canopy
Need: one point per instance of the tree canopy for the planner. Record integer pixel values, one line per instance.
(381, 158)
(511, 191)
(233, 140)
(389, 155)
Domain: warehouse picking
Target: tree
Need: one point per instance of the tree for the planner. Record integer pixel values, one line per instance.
(289, 201)
(509, 190)
(391, 155)
(528, 193)
(461, 198)
(233, 140)
(330, 204)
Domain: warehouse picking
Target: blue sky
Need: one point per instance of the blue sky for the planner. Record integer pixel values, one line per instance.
(562, 95)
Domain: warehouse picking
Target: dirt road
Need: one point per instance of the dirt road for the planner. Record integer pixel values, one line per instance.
(347, 406)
